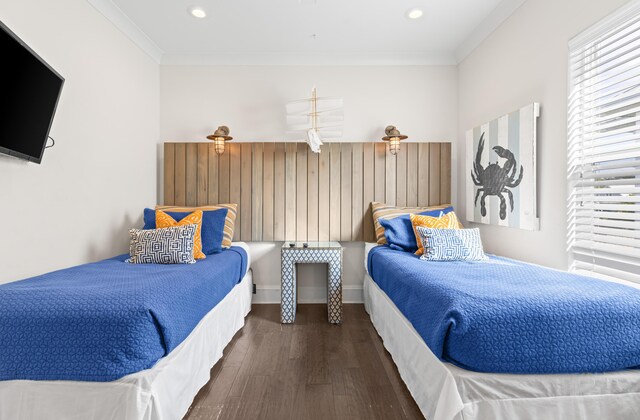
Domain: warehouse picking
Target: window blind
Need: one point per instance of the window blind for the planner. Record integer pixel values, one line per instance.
(604, 147)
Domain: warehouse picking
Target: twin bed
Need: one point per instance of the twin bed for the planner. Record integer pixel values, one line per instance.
(501, 339)
(111, 340)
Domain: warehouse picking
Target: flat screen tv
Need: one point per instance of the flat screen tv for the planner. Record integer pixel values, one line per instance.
(29, 92)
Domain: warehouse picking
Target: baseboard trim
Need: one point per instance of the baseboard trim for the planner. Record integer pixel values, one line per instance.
(271, 294)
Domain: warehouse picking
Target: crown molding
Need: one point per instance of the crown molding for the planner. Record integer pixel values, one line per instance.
(309, 59)
(497, 17)
(121, 21)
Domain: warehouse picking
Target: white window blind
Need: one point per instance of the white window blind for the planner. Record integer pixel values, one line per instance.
(604, 147)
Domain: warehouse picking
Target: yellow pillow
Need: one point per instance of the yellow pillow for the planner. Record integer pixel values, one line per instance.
(447, 221)
(163, 220)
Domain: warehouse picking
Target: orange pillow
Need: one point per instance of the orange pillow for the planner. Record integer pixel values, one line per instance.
(447, 221)
(163, 220)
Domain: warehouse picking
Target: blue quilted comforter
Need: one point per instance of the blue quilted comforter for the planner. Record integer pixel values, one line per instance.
(506, 316)
(105, 320)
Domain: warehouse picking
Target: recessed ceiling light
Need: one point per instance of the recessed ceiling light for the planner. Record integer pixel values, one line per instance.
(415, 13)
(197, 12)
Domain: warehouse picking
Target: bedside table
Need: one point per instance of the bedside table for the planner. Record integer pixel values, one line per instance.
(316, 252)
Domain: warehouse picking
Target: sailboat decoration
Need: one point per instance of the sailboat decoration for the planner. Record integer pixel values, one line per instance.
(314, 119)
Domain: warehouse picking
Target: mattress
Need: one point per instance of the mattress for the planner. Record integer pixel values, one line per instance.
(163, 392)
(102, 321)
(505, 316)
(446, 392)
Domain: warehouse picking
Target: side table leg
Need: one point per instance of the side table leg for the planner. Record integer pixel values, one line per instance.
(334, 292)
(288, 293)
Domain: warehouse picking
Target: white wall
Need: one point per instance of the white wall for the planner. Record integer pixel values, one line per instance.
(523, 61)
(251, 100)
(91, 187)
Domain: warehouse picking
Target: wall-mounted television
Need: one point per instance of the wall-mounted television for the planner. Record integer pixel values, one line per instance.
(29, 93)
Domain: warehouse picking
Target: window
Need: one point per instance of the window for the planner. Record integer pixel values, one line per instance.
(604, 147)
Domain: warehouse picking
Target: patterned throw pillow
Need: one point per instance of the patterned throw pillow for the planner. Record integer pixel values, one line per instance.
(163, 220)
(212, 231)
(173, 245)
(384, 211)
(452, 244)
(229, 223)
(445, 221)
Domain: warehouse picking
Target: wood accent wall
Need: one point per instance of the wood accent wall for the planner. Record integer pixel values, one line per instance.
(286, 192)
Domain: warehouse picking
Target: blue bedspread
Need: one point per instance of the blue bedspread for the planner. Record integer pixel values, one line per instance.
(506, 316)
(105, 320)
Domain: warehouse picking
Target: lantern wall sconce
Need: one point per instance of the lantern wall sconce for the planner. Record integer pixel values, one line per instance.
(219, 137)
(393, 136)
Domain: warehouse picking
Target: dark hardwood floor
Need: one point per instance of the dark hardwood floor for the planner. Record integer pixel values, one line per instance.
(307, 370)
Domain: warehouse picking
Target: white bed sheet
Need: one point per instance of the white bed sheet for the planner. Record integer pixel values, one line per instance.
(244, 246)
(163, 392)
(446, 392)
(368, 246)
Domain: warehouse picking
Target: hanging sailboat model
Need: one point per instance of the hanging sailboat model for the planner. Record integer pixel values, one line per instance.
(314, 119)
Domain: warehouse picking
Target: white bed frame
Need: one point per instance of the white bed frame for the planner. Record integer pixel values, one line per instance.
(163, 392)
(446, 392)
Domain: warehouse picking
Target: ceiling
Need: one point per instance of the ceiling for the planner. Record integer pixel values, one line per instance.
(307, 31)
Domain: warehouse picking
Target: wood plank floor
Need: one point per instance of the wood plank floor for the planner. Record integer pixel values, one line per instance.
(307, 370)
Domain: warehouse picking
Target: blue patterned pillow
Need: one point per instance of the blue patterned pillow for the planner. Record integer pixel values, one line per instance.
(451, 244)
(172, 245)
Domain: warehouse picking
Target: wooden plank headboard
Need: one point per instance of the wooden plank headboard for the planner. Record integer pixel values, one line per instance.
(286, 192)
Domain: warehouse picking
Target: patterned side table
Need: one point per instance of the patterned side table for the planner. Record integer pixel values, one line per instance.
(316, 252)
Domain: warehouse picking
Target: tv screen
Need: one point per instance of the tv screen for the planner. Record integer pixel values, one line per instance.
(29, 92)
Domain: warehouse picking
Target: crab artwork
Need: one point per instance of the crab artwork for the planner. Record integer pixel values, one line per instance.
(495, 180)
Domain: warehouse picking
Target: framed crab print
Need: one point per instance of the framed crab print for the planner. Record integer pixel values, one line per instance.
(501, 170)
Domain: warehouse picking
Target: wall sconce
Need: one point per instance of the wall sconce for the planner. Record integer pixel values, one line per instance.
(219, 137)
(393, 136)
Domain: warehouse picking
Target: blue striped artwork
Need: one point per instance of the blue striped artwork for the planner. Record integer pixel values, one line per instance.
(501, 170)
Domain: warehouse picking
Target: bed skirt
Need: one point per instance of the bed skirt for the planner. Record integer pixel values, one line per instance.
(163, 392)
(445, 392)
